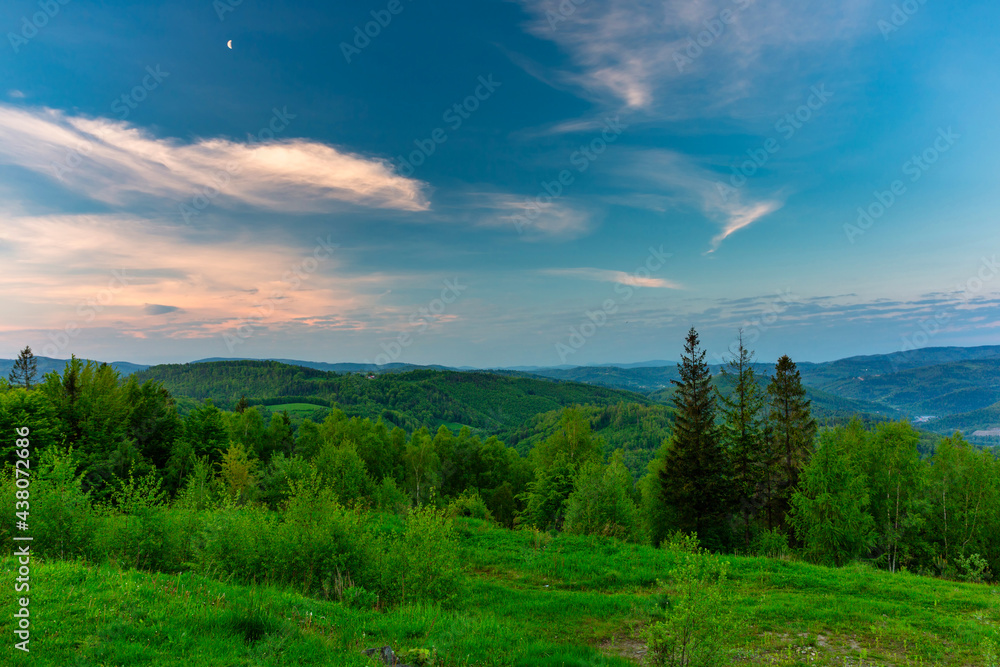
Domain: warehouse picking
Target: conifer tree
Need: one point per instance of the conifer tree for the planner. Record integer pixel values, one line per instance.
(793, 428)
(694, 478)
(743, 432)
(25, 369)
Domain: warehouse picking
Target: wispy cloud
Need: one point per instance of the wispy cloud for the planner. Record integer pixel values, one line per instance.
(609, 276)
(640, 54)
(118, 164)
(534, 219)
(676, 179)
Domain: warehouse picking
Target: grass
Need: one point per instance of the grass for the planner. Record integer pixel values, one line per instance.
(528, 599)
(296, 409)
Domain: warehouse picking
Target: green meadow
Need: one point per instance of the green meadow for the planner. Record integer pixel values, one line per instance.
(524, 598)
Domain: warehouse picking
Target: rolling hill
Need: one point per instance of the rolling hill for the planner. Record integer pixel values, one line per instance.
(484, 401)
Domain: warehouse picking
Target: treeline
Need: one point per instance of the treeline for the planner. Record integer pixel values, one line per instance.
(746, 469)
(483, 401)
(747, 472)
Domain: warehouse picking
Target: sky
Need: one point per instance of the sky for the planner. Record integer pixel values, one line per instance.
(498, 182)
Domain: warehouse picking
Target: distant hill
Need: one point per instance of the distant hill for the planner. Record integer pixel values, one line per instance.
(983, 419)
(48, 364)
(410, 399)
(940, 389)
(339, 367)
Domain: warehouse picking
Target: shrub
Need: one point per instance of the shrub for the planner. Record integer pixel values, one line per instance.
(61, 517)
(770, 543)
(469, 504)
(695, 610)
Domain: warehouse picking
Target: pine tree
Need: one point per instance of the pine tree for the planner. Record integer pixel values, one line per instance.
(743, 432)
(793, 428)
(25, 369)
(694, 477)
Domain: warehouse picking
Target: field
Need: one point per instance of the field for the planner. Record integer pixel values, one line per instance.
(527, 599)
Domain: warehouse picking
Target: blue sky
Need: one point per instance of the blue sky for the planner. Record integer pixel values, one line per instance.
(497, 182)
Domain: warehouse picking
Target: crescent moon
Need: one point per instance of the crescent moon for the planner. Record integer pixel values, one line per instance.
(229, 43)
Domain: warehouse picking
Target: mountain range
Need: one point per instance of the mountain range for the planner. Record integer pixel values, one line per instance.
(942, 389)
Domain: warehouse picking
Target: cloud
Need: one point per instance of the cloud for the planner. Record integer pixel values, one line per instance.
(119, 164)
(678, 58)
(534, 219)
(116, 271)
(156, 309)
(608, 276)
(679, 180)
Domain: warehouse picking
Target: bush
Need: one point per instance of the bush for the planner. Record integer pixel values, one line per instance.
(469, 504)
(696, 611)
(60, 515)
(419, 565)
(770, 543)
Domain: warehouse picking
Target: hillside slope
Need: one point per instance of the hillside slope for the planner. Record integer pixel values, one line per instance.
(526, 600)
(411, 399)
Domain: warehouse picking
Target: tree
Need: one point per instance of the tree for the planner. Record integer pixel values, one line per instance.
(239, 473)
(829, 513)
(891, 463)
(743, 431)
(601, 502)
(545, 498)
(792, 427)
(694, 478)
(422, 464)
(25, 369)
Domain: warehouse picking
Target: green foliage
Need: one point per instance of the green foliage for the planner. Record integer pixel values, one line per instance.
(487, 401)
(25, 369)
(793, 432)
(426, 558)
(344, 473)
(744, 435)
(469, 504)
(829, 513)
(696, 471)
(601, 502)
(770, 544)
(695, 612)
(61, 518)
(545, 497)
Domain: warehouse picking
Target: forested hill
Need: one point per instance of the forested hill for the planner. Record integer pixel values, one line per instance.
(418, 398)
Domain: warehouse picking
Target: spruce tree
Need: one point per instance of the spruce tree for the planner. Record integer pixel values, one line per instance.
(25, 369)
(743, 432)
(694, 477)
(793, 428)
